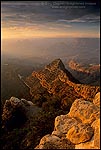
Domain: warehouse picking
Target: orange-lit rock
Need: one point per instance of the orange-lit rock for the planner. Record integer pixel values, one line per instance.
(80, 128)
(80, 133)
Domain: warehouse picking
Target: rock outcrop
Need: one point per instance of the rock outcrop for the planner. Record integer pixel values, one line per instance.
(85, 73)
(80, 128)
(83, 68)
(16, 112)
(54, 79)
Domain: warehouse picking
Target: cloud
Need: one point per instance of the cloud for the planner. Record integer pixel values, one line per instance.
(35, 16)
(71, 21)
(85, 19)
(41, 12)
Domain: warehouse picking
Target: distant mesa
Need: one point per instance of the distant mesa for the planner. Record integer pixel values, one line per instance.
(84, 68)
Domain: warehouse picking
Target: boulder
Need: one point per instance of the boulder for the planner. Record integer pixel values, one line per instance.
(80, 133)
(84, 110)
(63, 123)
(54, 142)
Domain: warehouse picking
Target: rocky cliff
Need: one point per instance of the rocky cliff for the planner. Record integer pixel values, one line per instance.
(54, 79)
(79, 129)
(85, 73)
(83, 68)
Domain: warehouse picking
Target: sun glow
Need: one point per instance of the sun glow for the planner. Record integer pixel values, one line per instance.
(29, 32)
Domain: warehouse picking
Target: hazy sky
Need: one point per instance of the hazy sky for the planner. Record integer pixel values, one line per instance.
(38, 19)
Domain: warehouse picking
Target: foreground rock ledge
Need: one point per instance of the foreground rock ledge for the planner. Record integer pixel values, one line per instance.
(79, 129)
(16, 112)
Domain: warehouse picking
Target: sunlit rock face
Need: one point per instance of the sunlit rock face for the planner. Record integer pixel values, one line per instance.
(80, 128)
(54, 79)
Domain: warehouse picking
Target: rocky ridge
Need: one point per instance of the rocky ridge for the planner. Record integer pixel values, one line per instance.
(85, 73)
(79, 67)
(79, 129)
(54, 79)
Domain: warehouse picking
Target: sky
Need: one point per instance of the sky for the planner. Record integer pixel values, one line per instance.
(49, 19)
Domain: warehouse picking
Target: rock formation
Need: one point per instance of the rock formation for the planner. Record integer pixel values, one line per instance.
(79, 129)
(54, 79)
(16, 112)
(56, 92)
(85, 73)
(83, 68)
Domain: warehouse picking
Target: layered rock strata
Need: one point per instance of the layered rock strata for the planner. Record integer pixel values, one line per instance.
(54, 79)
